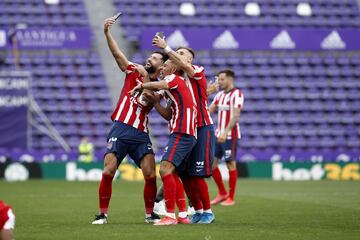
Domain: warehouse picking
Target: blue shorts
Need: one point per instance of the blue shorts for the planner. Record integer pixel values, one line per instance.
(227, 150)
(124, 139)
(202, 156)
(178, 150)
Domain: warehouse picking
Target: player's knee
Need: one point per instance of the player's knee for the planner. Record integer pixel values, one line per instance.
(166, 168)
(163, 171)
(148, 171)
(109, 171)
(110, 164)
(214, 164)
(231, 165)
(148, 166)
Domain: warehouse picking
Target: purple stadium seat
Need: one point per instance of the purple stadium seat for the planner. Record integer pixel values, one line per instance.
(293, 99)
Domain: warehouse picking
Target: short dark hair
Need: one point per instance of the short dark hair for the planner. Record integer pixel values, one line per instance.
(189, 49)
(163, 54)
(227, 72)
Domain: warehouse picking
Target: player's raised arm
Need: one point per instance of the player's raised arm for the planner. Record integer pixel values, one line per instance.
(174, 56)
(119, 56)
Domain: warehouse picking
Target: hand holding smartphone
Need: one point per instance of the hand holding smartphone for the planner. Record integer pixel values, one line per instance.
(117, 15)
(160, 34)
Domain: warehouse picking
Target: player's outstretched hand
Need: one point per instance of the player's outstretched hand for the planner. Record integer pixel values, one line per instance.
(108, 23)
(136, 90)
(159, 42)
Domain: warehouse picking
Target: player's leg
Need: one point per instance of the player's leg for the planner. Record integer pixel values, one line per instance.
(148, 169)
(181, 201)
(192, 193)
(190, 184)
(169, 184)
(167, 169)
(115, 152)
(176, 152)
(200, 165)
(105, 187)
(219, 152)
(140, 150)
(233, 174)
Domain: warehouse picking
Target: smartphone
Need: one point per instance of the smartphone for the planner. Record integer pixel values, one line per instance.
(160, 34)
(117, 15)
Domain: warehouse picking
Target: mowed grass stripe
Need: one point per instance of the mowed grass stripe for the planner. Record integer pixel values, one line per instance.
(264, 210)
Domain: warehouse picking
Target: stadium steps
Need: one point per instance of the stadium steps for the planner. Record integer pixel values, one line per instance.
(98, 11)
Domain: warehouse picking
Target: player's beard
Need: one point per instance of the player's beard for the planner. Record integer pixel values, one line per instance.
(150, 69)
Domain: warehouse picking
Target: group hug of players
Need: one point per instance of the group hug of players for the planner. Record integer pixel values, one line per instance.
(194, 148)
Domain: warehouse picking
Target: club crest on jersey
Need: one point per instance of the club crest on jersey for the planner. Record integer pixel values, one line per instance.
(166, 148)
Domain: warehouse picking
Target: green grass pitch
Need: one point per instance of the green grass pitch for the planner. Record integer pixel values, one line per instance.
(264, 210)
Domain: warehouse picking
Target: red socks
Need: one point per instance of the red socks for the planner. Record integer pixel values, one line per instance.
(105, 190)
(218, 180)
(149, 194)
(203, 189)
(169, 192)
(233, 175)
(192, 192)
(180, 196)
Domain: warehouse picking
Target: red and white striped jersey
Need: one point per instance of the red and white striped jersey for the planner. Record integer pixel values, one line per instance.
(225, 102)
(198, 85)
(128, 109)
(183, 107)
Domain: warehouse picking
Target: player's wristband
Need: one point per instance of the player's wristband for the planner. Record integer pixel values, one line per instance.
(167, 49)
